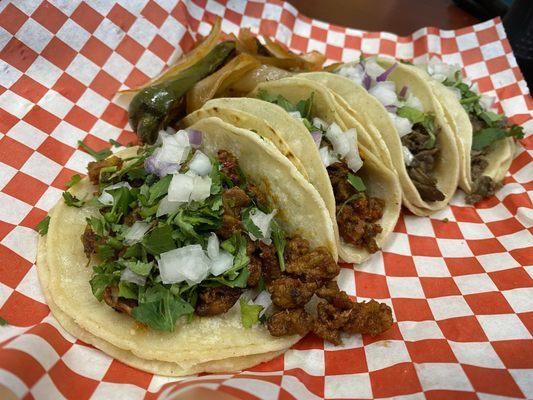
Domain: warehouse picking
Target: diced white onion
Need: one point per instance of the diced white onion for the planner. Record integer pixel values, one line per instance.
(180, 188)
(341, 141)
(175, 148)
(295, 114)
(487, 102)
(263, 222)
(414, 102)
(221, 263)
(167, 207)
(353, 160)
(353, 72)
(200, 164)
(105, 198)
(201, 188)
(403, 125)
(264, 300)
(213, 246)
(320, 123)
(384, 93)
(327, 156)
(128, 275)
(136, 232)
(407, 156)
(188, 263)
(373, 69)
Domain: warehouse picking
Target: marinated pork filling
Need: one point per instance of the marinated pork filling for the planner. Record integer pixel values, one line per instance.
(298, 280)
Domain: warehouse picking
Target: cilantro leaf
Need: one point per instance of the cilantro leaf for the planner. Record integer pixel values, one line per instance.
(159, 189)
(97, 155)
(42, 227)
(72, 201)
(139, 267)
(278, 237)
(114, 143)
(73, 180)
(249, 313)
(3, 322)
(163, 313)
(485, 137)
(304, 106)
(127, 290)
(356, 182)
(159, 240)
(99, 282)
(412, 114)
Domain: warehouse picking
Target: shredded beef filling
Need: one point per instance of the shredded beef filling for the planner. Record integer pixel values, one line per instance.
(357, 213)
(421, 169)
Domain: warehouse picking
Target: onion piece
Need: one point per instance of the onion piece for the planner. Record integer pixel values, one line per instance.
(384, 92)
(263, 223)
(407, 156)
(295, 114)
(221, 263)
(213, 246)
(191, 58)
(353, 160)
(188, 263)
(341, 141)
(414, 102)
(136, 232)
(367, 81)
(403, 92)
(487, 102)
(373, 69)
(201, 188)
(264, 300)
(128, 275)
(353, 72)
(403, 125)
(327, 156)
(195, 137)
(200, 164)
(180, 188)
(383, 77)
(320, 123)
(317, 137)
(106, 198)
(391, 108)
(175, 148)
(167, 207)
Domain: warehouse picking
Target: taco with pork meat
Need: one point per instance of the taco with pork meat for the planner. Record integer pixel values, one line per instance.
(197, 254)
(484, 137)
(411, 121)
(362, 195)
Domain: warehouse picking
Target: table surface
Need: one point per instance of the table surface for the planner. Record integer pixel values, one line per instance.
(398, 16)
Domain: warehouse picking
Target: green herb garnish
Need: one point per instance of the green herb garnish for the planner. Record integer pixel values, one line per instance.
(3, 322)
(72, 201)
(356, 182)
(73, 180)
(42, 227)
(97, 155)
(249, 313)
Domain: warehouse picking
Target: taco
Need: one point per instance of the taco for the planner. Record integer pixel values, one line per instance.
(362, 195)
(412, 124)
(198, 254)
(484, 137)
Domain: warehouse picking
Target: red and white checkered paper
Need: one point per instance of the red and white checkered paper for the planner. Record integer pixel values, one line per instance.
(460, 282)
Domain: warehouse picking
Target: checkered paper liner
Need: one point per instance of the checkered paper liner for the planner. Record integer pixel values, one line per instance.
(460, 282)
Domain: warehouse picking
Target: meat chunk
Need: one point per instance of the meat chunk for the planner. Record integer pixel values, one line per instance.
(338, 174)
(330, 322)
(119, 304)
(216, 300)
(234, 200)
(369, 318)
(269, 262)
(229, 166)
(95, 167)
(317, 265)
(229, 226)
(295, 248)
(291, 292)
(482, 188)
(426, 184)
(254, 267)
(331, 292)
(290, 322)
(257, 194)
(89, 240)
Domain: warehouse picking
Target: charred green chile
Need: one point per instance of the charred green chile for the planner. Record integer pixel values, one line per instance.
(154, 107)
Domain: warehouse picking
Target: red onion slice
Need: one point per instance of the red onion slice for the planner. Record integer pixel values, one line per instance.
(195, 137)
(383, 77)
(403, 92)
(367, 81)
(317, 137)
(391, 108)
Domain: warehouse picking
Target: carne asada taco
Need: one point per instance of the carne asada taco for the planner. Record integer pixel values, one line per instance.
(200, 253)
(362, 195)
(485, 138)
(412, 124)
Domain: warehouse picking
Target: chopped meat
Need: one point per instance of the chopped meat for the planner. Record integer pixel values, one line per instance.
(369, 318)
(216, 300)
(317, 265)
(229, 166)
(426, 184)
(482, 188)
(95, 167)
(89, 240)
(478, 164)
(229, 226)
(234, 200)
(291, 292)
(257, 194)
(290, 322)
(357, 213)
(416, 141)
(295, 248)
(331, 292)
(330, 321)
(131, 218)
(254, 267)
(119, 304)
(269, 262)
(426, 160)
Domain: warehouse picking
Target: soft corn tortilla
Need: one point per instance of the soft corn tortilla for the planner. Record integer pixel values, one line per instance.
(501, 152)
(380, 180)
(206, 344)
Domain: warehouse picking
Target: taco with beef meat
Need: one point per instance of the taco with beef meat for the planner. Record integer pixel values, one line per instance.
(200, 253)
(401, 105)
(362, 195)
(484, 137)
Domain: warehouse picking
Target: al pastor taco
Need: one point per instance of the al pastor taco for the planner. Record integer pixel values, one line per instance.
(199, 253)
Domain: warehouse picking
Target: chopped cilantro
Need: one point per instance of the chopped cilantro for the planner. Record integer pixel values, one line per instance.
(249, 313)
(42, 227)
(159, 240)
(114, 143)
(249, 224)
(3, 322)
(445, 220)
(485, 137)
(139, 267)
(72, 201)
(128, 290)
(73, 180)
(356, 182)
(418, 117)
(97, 155)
